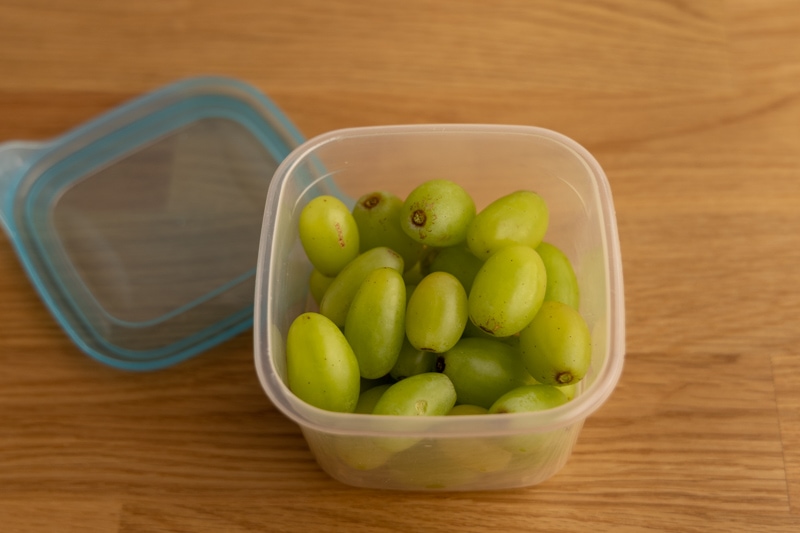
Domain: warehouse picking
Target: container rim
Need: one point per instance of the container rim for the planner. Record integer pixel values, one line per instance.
(312, 418)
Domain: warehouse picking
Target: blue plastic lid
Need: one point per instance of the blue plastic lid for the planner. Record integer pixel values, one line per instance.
(140, 229)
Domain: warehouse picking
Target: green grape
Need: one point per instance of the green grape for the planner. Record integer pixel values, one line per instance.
(318, 283)
(533, 448)
(329, 234)
(478, 454)
(562, 284)
(556, 346)
(429, 394)
(337, 299)
(471, 330)
(521, 217)
(437, 313)
(475, 454)
(368, 399)
(508, 291)
(536, 397)
(534, 451)
(569, 390)
(378, 218)
(458, 261)
(411, 362)
(431, 470)
(482, 370)
(466, 409)
(375, 322)
(360, 453)
(321, 367)
(437, 213)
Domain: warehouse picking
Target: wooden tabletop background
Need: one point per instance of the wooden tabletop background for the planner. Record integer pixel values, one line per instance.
(693, 110)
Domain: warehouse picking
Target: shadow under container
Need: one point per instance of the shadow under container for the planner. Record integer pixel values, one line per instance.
(476, 452)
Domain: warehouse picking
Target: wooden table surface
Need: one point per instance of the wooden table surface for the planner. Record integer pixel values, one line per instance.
(693, 110)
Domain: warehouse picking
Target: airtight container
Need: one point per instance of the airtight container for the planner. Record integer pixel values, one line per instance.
(475, 452)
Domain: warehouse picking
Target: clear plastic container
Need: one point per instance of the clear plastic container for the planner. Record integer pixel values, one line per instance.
(477, 452)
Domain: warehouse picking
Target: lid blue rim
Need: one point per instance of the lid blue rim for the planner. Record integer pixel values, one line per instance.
(226, 329)
(166, 125)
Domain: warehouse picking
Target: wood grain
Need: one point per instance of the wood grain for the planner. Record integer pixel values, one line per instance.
(693, 110)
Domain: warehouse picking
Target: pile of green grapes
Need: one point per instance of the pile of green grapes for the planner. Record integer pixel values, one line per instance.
(427, 307)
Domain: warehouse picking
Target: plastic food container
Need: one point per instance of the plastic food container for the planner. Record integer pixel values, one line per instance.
(477, 452)
(140, 228)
